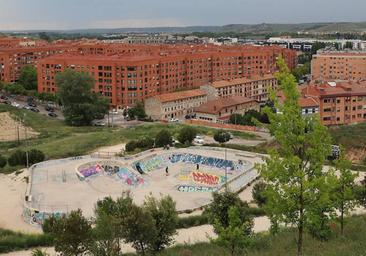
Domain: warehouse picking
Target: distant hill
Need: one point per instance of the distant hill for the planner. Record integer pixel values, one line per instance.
(325, 27)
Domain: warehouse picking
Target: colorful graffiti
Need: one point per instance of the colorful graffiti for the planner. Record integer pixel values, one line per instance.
(130, 178)
(35, 217)
(201, 178)
(149, 164)
(189, 188)
(91, 170)
(205, 178)
(209, 161)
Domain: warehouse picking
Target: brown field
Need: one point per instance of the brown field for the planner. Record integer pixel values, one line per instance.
(9, 129)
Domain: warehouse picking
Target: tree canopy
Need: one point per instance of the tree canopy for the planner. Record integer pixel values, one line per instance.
(298, 191)
(80, 105)
(28, 77)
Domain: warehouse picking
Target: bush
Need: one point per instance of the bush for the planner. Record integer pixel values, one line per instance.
(187, 135)
(15, 89)
(193, 221)
(11, 241)
(221, 136)
(258, 193)
(2, 162)
(35, 156)
(18, 158)
(131, 146)
(163, 138)
(144, 143)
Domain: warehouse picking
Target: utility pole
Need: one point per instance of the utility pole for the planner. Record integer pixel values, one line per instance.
(26, 141)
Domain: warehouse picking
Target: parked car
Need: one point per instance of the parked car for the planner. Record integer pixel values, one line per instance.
(199, 141)
(49, 108)
(27, 107)
(98, 123)
(8, 102)
(3, 97)
(52, 114)
(15, 104)
(32, 104)
(174, 120)
(34, 109)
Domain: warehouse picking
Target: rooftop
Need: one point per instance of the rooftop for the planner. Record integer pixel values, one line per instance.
(216, 106)
(168, 97)
(226, 83)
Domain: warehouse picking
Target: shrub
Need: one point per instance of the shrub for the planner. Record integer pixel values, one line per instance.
(2, 161)
(192, 221)
(163, 138)
(221, 136)
(131, 146)
(187, 135)
(258, 193)
(35, 156)
(18, 158)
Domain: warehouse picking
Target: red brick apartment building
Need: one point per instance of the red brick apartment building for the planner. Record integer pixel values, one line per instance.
(131, 73)
(339, 103)
(332, 65)
(15, 53)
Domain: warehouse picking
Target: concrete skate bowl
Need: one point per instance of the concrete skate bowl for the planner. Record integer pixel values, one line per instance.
(194, 172)
(110, 176)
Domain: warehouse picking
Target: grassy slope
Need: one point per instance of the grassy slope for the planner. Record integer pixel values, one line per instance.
(351, 136)
(352, 244)
(58, 140)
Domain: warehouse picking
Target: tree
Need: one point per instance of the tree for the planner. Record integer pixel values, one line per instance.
(15, 89)
(360, 193)
(219, 208)
(300, 71)
(72, 234)
(35, 156)
(186, 135)
(107, 228)
(258, 193)
(234, 236)
(3, 161)
(140, 229)
(221, 136)
(163, 138)
(138, 111)
(80, 105)
(44, 36)
(297, 187)
(28, 77)
(165, 218)
(348, 45)
(343, 194)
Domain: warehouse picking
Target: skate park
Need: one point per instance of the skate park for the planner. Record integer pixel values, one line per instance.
(188, 175)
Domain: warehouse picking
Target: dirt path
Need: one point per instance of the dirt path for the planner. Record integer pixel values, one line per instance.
(10, 128)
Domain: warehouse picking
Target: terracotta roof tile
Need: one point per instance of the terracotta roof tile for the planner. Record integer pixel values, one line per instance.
(215, 106)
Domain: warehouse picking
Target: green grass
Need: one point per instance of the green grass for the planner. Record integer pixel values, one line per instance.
(58, 140)
(352, 244)
(14, 241)
(350, 136)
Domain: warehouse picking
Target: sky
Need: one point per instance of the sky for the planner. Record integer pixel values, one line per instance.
(76, 14)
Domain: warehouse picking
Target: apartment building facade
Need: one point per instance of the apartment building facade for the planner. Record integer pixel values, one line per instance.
(255, 87)
(331, 66)
(340, 103)
(129, 75)
(174, 105)
(220, 110)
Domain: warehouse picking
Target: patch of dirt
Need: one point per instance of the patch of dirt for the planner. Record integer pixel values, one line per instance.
(10, 129)
(356, 155)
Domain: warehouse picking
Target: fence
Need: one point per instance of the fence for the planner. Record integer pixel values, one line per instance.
(223, 126)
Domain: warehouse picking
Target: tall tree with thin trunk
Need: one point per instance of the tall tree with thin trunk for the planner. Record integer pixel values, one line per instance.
(343, 194)
(294, 171)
